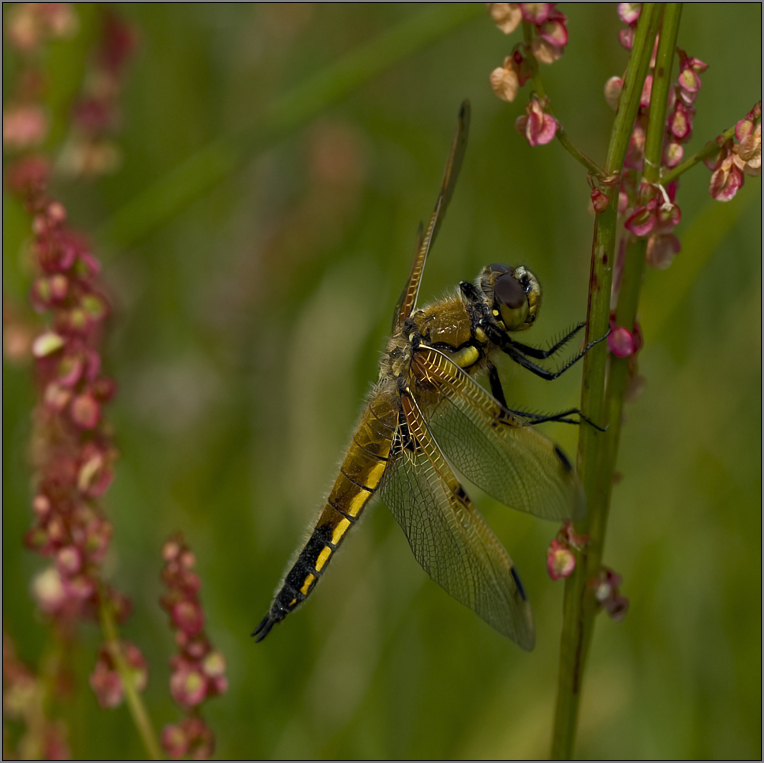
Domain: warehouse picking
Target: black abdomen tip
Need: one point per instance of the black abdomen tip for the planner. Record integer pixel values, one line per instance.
(263, 629)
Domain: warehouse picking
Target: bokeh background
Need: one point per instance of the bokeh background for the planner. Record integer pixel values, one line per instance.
(276, 160)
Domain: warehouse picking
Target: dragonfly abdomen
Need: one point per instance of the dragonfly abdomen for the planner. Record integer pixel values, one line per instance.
(357, 481)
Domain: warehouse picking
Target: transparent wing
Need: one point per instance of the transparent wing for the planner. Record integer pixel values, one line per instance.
(448, 536)
(499, 451)
(407, 302)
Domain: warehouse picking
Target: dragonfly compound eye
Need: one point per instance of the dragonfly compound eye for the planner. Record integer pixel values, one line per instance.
(511, 301)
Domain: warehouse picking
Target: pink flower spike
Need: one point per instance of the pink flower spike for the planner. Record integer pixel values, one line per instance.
(560, 560)
(535, 13)
(621, 342)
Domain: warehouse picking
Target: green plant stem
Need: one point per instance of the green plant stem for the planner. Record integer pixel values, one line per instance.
(597, 449)
(174, 191)
(708, 150)
(561, 135)
(134, 702)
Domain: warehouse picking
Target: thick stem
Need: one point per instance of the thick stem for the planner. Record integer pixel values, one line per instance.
(597, 449)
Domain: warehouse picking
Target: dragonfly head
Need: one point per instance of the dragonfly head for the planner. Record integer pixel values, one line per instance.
(512, 294)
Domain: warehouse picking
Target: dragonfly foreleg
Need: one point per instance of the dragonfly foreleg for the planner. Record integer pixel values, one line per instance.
(539, 354)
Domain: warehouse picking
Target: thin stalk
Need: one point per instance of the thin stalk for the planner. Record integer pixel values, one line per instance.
(135, 704)
(562, 136)
(708, 150)
(580, 604)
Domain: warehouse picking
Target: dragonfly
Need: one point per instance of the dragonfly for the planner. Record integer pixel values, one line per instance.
(427, 415)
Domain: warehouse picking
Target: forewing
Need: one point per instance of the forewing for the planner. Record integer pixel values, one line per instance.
(407, 302)
(498, 451)
(448, 536)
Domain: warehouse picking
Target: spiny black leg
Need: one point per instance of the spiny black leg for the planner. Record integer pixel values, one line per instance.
(509, 347)
(538, 354)
(496, 389)
(562, 418)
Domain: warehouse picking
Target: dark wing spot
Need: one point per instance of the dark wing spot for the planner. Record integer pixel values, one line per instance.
(520, 588)
(563, 458)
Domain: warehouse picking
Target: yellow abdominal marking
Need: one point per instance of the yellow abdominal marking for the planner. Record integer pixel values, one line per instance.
(358, 503)
(465, 357)
(375, 475)
(340, 530)
(306, 585)
(322, 557)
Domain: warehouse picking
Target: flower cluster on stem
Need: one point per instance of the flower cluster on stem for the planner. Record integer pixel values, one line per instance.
(198, 670)
(546, 36)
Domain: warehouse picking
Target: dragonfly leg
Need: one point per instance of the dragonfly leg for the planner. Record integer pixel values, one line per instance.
(513, 349)
(539, 354)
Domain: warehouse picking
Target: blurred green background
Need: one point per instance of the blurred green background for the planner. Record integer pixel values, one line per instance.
(249, 319)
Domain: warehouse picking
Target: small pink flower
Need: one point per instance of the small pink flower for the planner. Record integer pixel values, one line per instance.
(673, 154)
(680, 121)
(188, 616)
(749, 150)
(647, 87)
(505, 81)
(536, 13)
(661, 250)
(613, 90)
(727, 178)
(626, 37)
(600, 201)
(642, 220)
(544, 52)
(560, 560)
(69, 561)
(24, 126)
(175, 741)
(607, 594)
(188, 685)
(538, 127)
(48, 590)
(629, 12)
(506, 16)
(621, 342)
(106, 684)
(85, 411)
